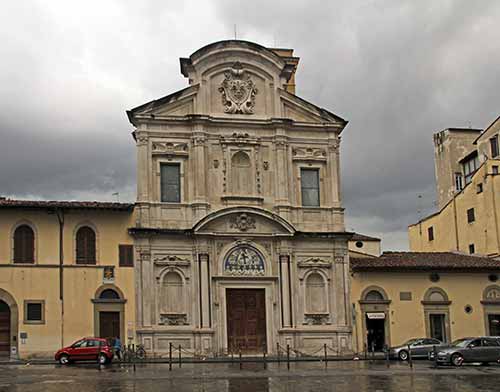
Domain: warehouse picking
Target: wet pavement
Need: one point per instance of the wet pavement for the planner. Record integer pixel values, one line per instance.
(302, 377)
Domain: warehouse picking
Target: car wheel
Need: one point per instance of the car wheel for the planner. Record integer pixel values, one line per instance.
(457, 360)
(103, 359)
(403, 355)
(64, 359)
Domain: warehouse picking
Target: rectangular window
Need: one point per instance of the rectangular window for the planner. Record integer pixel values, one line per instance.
(405, 296)
(34, 312)
(126, 255)
(170, 174)
(430, 233)
(469, 168)
(494, 146)
(472, 249)
(494, 169)
(470, 215)
(309, 182)
(480, 187)
(458, 182)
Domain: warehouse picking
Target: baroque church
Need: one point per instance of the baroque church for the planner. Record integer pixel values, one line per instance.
(239, 230)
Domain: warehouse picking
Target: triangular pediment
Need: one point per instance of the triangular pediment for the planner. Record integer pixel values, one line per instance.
(300, 110)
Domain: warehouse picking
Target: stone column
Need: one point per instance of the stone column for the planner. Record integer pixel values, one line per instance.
(198, 173)
(204, 287)
(143, 176)
(285, 278)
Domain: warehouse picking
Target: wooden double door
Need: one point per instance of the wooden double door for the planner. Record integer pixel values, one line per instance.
(4, 329)
(109, 324)
(246, 320)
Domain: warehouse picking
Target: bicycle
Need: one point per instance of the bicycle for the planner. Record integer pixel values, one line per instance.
(133, 352)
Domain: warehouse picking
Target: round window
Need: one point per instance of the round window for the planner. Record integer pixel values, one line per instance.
(359, 244)
(434, 277)
(468, 309)
(492, 277)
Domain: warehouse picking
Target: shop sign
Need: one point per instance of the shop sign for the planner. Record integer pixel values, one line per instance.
(376, 316)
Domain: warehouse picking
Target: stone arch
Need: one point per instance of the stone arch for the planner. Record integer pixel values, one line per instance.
(370, 289)
(33, 227)
(436, 295)
(9, 300)
(106, 308)
(244, 259)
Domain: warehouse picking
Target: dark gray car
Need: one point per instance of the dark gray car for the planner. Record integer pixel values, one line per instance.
(419, 348)
(477, 349)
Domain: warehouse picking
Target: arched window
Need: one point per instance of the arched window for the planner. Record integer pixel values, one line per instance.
(24, 245)
(241, 174)
(109, 294)
(172, 298)
(374, 295)
(436, 296)
(315, 294)
(85, 246)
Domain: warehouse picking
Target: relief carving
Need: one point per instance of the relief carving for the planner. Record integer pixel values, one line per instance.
(242, 222)
(314, 262)
(316, 318)
(171, 260)
(173, 319)
(238, 91)
(310, 154)
(168, 148)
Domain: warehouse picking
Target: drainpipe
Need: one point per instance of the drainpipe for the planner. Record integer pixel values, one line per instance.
(495, 215)
(60, 217)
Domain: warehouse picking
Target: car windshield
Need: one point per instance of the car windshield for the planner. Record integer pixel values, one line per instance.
(460, 342)
(411, 341)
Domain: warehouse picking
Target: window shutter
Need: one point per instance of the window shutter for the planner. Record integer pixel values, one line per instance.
(85, 246)
(24, 245)
(126, 255)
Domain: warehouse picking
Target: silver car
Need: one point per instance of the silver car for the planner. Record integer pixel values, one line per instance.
(478, 349)
(419, 348)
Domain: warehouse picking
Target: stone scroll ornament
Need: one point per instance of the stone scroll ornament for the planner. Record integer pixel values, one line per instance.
(244, 261)
(238, 91)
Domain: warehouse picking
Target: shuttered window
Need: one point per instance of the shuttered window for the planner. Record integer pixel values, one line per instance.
(126, 255)
(85, 246)
(34, 312)
(24, 245)
(170, 182)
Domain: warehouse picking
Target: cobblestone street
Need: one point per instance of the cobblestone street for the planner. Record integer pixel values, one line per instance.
(339, 376)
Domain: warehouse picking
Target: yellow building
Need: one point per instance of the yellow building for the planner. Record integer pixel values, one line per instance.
(404, 295)
(66, 271)
(468, 220)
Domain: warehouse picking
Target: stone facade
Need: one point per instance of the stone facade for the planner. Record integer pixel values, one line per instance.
(240, 142)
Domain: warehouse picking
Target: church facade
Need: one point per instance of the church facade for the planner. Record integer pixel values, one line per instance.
(239, 233)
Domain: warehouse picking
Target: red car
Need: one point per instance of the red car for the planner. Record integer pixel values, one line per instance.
(86, 349)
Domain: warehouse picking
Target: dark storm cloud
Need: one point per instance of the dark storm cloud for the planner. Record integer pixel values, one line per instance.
(397, 70)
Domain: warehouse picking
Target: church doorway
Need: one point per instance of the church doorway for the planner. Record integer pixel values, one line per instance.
(246, 320)
(109, 324)
(4, 329)
(375, 328)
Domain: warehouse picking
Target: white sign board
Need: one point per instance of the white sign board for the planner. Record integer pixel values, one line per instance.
(376, 316)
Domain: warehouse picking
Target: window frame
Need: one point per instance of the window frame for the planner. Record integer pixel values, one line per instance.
(28, 302)
(494, 150)
(96, 247)
(181, 183)
(13, 239)
(318, 173)
(126, 248)
(459, 181)
(471, 215)
(430, 233)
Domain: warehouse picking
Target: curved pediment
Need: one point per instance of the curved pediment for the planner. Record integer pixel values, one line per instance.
(244, 220)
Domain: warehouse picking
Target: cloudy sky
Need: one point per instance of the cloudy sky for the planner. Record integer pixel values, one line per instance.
(397, 70)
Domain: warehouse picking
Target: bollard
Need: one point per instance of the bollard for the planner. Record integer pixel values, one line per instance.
(326, 355)
(241, 364)
(434, 350)
(386, 347)
(278, 353)
(232, 356)
(180, 357)
(366, 350)
(410, 361)
(98, 355)
(288, 356)
(170, 357)
(265, 358)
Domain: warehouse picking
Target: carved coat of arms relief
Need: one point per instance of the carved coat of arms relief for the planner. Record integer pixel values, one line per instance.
(238, 91)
